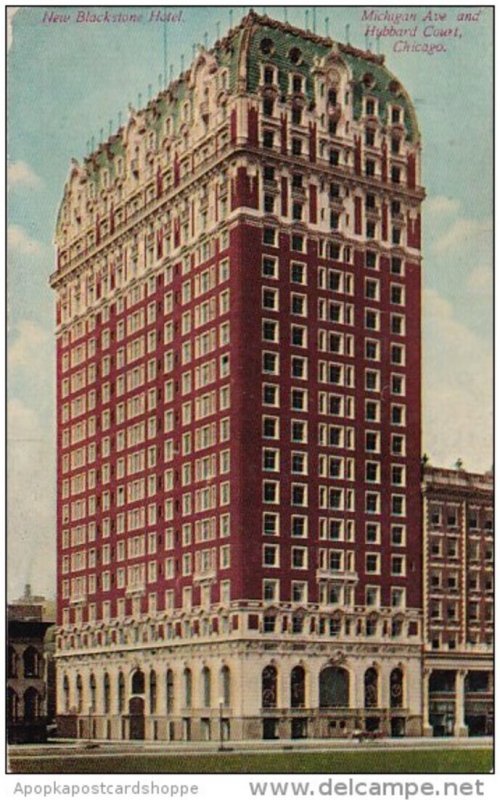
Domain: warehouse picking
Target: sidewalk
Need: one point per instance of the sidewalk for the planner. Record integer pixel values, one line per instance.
(102, 747)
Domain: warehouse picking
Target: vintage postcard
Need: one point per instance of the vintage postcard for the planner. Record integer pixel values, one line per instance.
(250, 481)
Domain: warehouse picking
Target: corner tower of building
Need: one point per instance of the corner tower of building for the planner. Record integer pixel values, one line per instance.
(238, 339)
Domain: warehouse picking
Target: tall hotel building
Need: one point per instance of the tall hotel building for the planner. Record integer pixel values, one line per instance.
(238, 373)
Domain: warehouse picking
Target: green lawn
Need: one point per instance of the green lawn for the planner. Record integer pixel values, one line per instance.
(378, 761)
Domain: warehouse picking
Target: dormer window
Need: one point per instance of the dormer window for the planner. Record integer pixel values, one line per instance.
(295, 55)
(297, 83)
(396, 115)
(268, 75)
(332, 97)
(267, 46)
(370, 107)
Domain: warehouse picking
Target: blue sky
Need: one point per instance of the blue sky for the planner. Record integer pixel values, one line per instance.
(67, 81)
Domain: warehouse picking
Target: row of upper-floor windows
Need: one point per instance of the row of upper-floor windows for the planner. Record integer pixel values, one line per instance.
(451, 549)
(330, 435)
(450, 516)
(331, 498)
(137, 543)
(451, 581)
(146, 486)
(330, 310)
(450, 611)
(331, 528)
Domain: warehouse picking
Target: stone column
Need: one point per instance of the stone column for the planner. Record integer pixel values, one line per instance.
(357, 689)
(284, 683)
(460, 728)
(427, 729)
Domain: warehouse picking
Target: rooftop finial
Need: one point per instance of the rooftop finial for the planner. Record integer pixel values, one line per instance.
(347, 29)
(327, 26)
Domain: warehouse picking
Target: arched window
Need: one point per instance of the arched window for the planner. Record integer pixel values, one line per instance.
(396, 685)
(12, 705)
(170, 691)
(269, 687)
(188, 688)
(138, 682)
(371, 688)
(334, 688)
(106, 692)
(12, 663)
(205, 682)
(152, 692)
(298, 687)
(79, 693)
(31, 704)
(65, 689)
(121, 692)
(92, 691)
(31, 663)
(225, 680)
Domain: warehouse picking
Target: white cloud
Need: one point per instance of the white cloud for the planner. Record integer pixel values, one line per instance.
(439, 204)
(20, 242)
(458, 390)
(480, 281)
(31, 500)
(464, 233)
(28, 340)
(20, 174)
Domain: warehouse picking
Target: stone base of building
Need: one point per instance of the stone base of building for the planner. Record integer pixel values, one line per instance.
(284, 725)
(260, 689)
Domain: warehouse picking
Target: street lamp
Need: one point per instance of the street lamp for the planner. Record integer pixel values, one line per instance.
(221, 724)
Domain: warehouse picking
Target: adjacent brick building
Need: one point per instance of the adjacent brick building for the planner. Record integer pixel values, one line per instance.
(30, 690)
(238, 372)
(458, 592)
